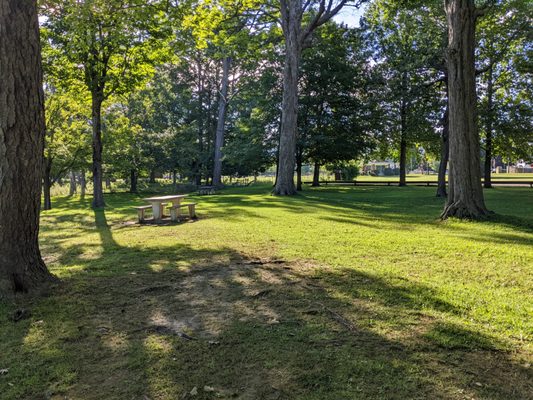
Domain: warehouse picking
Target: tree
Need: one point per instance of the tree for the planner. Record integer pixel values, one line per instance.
(465, 198)
(502, 39)
(22, 132)
(114, 43)
(405, 41)
(333, 106)
(297, 27)
(67, 145)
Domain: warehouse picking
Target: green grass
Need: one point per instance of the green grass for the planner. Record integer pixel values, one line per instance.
(338, 293)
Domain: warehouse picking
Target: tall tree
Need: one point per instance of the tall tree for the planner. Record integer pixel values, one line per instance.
(22, 130)
(299, 19)
(113, 42)
(465, 198)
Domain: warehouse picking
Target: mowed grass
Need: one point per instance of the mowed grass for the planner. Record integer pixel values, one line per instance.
(337, 293)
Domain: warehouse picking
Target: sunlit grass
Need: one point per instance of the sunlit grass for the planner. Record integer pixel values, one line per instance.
(374, 297)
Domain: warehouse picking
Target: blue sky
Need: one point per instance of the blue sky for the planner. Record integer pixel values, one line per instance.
(350, 16)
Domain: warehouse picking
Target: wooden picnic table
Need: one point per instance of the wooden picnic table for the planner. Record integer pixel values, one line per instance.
(158, 201)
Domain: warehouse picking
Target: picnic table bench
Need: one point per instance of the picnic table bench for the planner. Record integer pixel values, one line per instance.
(175, 211)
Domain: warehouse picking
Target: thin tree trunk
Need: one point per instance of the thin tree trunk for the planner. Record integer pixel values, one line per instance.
(22, 130)
(47, 184)
(316, 175)
(299, 169)
(133, 181)
(289, 116)
(444, 155)
(174, 178)
(152, 177)
(403, 133)
(403, 159)
(221, 121)
(98, 192)
(465, 198)
(83, 183)
(72, 184)
(488, 142)
(107, 182)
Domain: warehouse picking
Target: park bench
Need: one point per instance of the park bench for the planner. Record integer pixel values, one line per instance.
(175, 211)
(206, 190)
(141, 211)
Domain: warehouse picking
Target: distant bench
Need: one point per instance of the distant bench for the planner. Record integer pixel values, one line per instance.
(206, 190)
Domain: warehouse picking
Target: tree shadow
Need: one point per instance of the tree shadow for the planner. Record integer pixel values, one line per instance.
(156, 322)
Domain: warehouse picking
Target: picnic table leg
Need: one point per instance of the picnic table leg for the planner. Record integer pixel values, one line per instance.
(157, 211)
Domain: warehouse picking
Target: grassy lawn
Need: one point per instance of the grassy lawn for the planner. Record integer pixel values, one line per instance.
(338, 293)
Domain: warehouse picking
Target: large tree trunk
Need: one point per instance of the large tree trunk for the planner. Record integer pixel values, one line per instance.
(221, 121)
(22, 130)
(133, 181)
(287, 150)
(98, 192)
(316, 175)
(465, 199)
(72, 184)
(444, 155)
(47, 184)
(488, 128)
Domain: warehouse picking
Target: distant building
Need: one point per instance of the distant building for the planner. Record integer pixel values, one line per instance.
(381, 168)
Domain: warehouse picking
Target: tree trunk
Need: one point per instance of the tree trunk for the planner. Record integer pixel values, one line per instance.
(287, 150)
(83, 183)
(133, 181)
(316, 175)
(98, 192)
(221, 121)
(488, 142)
(72, 184)
(174, 178)
(299, 170)
(403, 160)
(465, 198)
(444, 155)
(22, 130)
(152, 177)
(403, 133)
(47, 184)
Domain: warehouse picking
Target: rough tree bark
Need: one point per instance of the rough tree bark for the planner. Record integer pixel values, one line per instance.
(22, 130)
(488, 127)
(465, 198)
(291, 16)
(316, 175)
(221, 122)
(98, 191)
(444, 155)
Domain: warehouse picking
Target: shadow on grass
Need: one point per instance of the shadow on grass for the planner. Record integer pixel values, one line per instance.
(158, 322)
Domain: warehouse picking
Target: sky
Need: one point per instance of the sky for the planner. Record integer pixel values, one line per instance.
(350, 16)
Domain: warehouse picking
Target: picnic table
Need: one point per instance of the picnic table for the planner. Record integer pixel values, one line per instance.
(158, 201)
